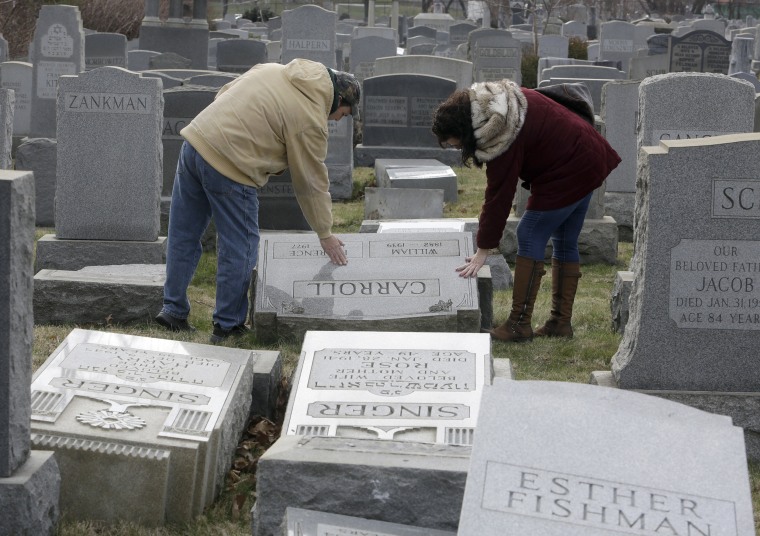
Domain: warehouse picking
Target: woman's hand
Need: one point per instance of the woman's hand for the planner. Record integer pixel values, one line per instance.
(473, 264)
(333, 247)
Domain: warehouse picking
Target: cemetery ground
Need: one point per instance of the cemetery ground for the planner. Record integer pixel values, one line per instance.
(548, 359)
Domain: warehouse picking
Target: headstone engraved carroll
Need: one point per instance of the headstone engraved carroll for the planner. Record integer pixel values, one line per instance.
(163, 416)
(391, 283)
(402, 386)
(696, 289)
(58, 49)
(564, 477)
(309, 32)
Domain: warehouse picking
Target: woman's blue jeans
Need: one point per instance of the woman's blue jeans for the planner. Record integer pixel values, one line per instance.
(199, 193)
(562, 225)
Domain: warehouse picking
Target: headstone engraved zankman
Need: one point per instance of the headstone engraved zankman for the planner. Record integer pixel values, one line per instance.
(164, 416)
(391, 283)
(402, 386)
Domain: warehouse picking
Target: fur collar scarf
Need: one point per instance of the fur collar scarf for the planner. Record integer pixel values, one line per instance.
(498, 114)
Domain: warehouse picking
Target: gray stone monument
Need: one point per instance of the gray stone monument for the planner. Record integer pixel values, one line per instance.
(694, 290)
(38, 155)
(239, 55)
(620, 109)
(700, 51)
(17, 75)
(187, 37)
(163, 416)
(420, 175)
(454, 69)
(410, 287)
(139, 60)
(99, 294)
(58, 49)
(7, 106)
(423, 387)
(396, 114)
(340, 157)
(564, 475)
(300, 522)
(394, 203)
(364, 52)
(309, 32)
(105, 50)
(496, 57)
(106, 197)
(617, 42)
(29, 479)
(553, 46)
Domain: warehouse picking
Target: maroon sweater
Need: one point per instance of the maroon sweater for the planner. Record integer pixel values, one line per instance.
(559, 153)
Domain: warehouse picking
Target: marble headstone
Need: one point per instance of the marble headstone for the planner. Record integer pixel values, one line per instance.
(17, 75)
(364, 52)
(58, 49)
(309, 32)
(105, 50)
(163, 416)
(593, 461)
(458, 70)
(239, 55)
(38, 155)
(666, 115)
(391, 283)
(400, 385)
(495, 58)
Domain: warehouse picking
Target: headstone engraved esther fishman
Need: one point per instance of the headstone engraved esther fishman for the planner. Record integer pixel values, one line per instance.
(392, 282)
(164, 417)
(377, 385)
(564, 459)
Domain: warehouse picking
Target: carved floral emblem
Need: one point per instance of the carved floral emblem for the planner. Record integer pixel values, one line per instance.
(111, 420)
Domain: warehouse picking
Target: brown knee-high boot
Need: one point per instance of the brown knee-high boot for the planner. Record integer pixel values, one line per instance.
(565, 276)
(527, 281)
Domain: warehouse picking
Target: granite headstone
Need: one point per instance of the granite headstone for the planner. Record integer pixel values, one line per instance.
(17, 75)
(105, 50)
(58, 49)
(299, 289)
(565, 475)
(309, 32)
(38, 155)
(239, 55)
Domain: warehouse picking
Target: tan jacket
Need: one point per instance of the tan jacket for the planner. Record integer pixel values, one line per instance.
(271, 118)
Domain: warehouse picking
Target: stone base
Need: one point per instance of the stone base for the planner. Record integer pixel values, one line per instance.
(397, 203)
(365, 156)
(743, 408)
(393, 481)
(621, 292)
(267, 375)
(619, 205)
(55, 254)
(99, 294)
(29, 498)
(597, 243)
(208, 240)
(485, 297)
(270, 327)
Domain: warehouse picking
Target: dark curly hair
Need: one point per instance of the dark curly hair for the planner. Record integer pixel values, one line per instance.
(453, 119)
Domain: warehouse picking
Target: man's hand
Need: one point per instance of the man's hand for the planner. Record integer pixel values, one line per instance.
(333, 246)
(474, 264)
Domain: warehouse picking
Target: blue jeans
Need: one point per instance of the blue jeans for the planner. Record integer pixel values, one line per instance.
(562, 225)
(199, 193)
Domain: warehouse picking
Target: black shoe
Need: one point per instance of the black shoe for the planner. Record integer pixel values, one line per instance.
(172, 323)
(221, 334)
